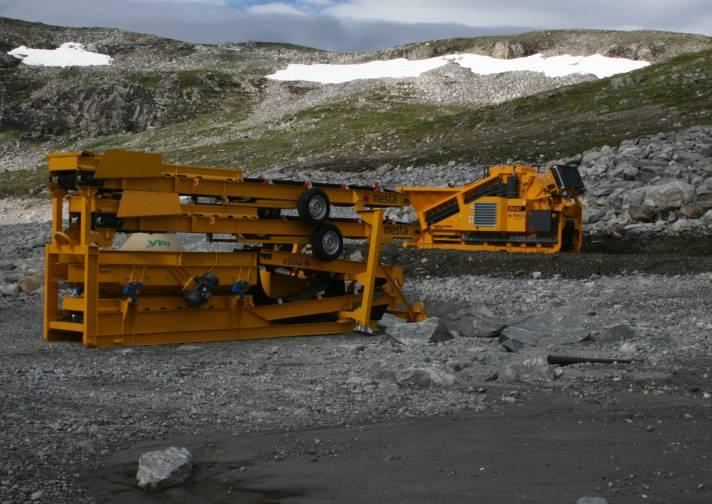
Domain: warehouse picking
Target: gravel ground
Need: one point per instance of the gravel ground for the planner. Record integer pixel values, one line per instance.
(67, 409)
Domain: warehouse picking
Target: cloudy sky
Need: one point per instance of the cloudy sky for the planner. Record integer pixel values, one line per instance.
(360, 24)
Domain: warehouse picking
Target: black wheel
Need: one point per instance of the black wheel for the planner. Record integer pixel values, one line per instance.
(327, 242)
(269, 213)
(67, 180)
(313, 206)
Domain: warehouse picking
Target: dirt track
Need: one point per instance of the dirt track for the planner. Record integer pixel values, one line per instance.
(632, 448)
(601, 256)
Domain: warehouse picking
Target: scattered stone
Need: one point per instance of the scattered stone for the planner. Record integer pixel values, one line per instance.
(616, 333)
(423, 377)
(707, 217)
(9, 289)
(35, 496)
(642, 213)
(188, 348)
(430, 330)
(31, 283)
(628, 349)
(356, 256)
(510, 344)
(492, 377)
(359, 382)
(692, 212)
(592, 500)
(455, 365)
(158, 470)
(536, 275)
(704, 200)
(529, 369)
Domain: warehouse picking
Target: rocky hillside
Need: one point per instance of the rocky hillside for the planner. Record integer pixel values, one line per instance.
(155, 82)
(212, 104)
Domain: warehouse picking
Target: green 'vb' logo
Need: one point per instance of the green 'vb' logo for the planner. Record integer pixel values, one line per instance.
(158, 243)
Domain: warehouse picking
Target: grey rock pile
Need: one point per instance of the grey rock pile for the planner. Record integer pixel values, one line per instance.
(454, 85)
(658, 184)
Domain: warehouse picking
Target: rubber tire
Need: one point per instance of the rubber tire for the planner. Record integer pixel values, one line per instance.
(303, 206)
(67, 180)
(317, 243)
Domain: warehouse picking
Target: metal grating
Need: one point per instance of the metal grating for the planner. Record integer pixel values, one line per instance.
(486, 214)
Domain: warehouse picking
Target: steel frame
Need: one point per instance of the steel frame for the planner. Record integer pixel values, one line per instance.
(108, 297)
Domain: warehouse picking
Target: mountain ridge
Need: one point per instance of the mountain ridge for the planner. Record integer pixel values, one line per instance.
(211, 104)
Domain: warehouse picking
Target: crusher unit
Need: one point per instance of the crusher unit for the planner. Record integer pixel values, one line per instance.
(514, 209)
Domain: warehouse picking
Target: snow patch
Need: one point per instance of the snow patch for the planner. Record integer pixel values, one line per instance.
(553, 66)
(68, 54)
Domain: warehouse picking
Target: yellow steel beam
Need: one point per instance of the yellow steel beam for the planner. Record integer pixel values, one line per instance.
(137, 171)
(362, 314)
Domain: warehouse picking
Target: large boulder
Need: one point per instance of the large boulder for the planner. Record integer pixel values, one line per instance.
(504, 49)
(430, 330)
(544, 330)
(158, 470)
(477, 322)
(670, 195)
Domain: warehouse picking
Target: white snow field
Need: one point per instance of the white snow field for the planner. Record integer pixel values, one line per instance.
(68, 54)
(553, 66)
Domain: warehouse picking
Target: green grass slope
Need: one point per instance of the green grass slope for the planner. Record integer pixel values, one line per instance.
(353, 135)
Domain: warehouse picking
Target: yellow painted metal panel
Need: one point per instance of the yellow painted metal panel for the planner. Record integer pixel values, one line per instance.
(119, 163)
(148, 204)
(63, 161)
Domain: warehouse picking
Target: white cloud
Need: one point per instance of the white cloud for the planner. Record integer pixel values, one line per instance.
(674, 15)
(210, 2)
(359, 24)
(317, 3)
(275, 8)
